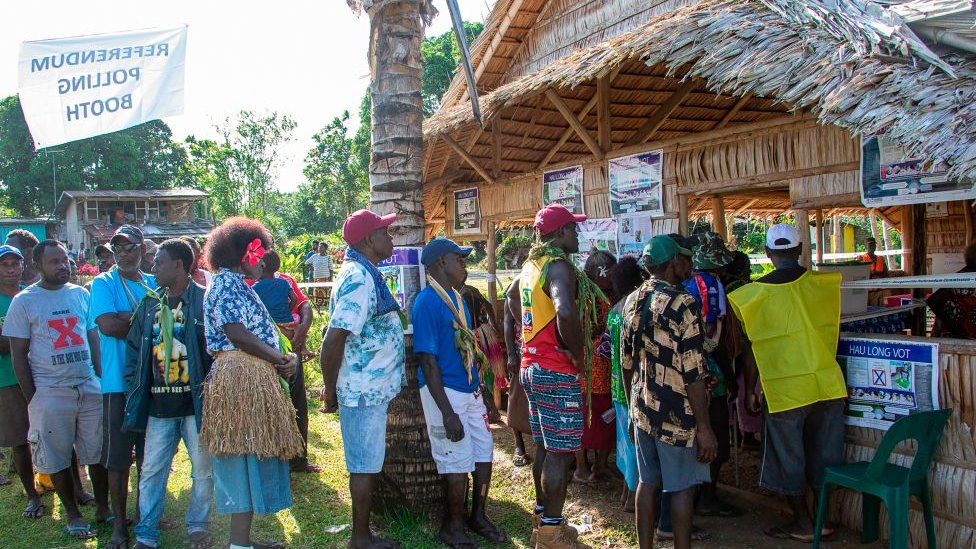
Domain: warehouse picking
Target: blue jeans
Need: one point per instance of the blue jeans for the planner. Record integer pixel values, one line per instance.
(162, 440)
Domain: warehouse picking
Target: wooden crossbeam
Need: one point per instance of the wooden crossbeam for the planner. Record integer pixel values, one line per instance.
(582, 115)
(657, 119)
(496, 144)
(746, 206)
(603, 112)
(469, 159)
(735, 109)
(467, 146)
(574, 123)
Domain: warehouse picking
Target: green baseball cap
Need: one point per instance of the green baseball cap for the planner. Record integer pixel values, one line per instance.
(663, 248)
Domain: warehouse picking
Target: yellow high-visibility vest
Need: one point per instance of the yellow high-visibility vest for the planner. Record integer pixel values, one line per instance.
(794, 328)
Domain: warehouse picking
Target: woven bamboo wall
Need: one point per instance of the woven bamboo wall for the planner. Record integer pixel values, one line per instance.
(949, 234)
(826, 185)
(758, 156)
(953, 477)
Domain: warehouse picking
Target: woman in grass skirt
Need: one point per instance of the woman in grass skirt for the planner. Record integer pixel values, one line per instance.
(249, 424)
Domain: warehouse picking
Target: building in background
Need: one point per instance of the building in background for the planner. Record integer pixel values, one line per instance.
(91, 217)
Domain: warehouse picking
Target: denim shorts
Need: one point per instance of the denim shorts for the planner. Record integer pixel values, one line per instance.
(363, 436)
(673, 468)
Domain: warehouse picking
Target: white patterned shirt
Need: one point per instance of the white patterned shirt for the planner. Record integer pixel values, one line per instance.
(372, 362)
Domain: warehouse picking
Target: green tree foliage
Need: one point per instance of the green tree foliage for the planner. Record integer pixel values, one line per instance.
(238, 169)
(336, 177)
(441, 57)
(141, 157)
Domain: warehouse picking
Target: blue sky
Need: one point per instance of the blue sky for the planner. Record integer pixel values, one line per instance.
(304, 58)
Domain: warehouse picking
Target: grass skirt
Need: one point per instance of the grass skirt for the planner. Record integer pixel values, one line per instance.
(245, 410)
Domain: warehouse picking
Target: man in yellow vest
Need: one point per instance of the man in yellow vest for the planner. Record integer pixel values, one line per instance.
(791, 319)
(552, 360)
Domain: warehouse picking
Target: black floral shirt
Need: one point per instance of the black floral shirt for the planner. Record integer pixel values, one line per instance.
(669, 356)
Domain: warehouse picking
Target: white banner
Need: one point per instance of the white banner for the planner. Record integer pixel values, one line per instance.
(73, 88)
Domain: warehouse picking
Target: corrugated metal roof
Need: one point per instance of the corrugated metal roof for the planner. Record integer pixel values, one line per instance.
(156, 231)
(135, 194)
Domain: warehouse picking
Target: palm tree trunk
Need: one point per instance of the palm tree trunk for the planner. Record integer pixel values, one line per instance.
(396, 31)
(409, 478)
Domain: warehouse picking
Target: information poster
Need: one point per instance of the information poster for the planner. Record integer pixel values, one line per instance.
(467, 212)
(892, 177)
(887, 380)
(405, 276)
(564, 187)
(595, 234)
(634, 231)
(635, 184)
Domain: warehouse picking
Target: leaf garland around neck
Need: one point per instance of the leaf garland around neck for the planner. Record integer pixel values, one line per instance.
(464, 338)
(587, 294)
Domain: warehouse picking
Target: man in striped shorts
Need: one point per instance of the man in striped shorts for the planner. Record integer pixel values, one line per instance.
(552, 359)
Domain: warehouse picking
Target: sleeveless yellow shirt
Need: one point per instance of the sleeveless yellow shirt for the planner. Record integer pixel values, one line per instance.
(540, 342)
(794, 328)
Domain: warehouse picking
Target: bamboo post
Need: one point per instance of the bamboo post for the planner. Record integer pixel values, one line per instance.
(886, 240)
(919, 257)
(683, 214)
(492, 245)
(820, 236)
(718, 217)
(907, 240)
(803, 226)
(838, 228)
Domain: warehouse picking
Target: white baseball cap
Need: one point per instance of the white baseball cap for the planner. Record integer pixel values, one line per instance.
(782, 237)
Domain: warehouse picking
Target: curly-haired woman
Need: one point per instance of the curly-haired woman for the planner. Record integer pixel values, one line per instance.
(248, 420)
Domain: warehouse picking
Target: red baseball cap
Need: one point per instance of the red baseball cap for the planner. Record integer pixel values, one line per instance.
(362, 222)
(553, 217)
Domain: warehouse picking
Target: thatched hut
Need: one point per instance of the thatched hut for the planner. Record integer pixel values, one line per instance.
(756, 106)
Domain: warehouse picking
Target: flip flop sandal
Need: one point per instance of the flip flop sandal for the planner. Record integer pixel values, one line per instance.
(5, 481)
(80, 531)
(199, 540)
(33, 510)
(117, 544)
(521, 460)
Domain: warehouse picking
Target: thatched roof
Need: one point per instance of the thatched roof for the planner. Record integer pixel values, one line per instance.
(852, 63)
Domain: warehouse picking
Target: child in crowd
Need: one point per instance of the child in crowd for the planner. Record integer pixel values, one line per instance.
(276, 293)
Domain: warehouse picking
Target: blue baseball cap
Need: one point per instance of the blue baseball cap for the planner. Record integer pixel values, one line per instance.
(7, 249)
(440, 246)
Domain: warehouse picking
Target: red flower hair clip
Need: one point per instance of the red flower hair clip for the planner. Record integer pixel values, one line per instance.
(255, 251)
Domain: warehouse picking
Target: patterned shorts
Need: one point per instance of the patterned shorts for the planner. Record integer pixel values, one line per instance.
(555, 408)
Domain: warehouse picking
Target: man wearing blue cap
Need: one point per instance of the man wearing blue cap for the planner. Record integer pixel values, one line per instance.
(457, 420)
(13, 407)
(662, 341)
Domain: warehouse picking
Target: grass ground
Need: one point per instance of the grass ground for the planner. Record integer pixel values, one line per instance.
(321, 512)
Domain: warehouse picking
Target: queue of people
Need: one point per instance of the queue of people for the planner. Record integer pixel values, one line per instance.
(646, 356)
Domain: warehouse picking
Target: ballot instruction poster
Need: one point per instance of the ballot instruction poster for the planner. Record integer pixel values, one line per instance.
(887, 380)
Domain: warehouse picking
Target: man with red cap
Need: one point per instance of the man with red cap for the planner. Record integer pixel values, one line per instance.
(362, 361)
(548, 295)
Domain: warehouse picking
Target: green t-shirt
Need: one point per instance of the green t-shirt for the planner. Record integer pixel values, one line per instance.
(7, 377)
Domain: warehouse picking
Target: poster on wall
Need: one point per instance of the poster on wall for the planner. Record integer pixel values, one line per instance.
(467, 212)
(887, 380)
(564, 187)
(634, 231)
(892, 177)
(404, 275)
(595, 234)
(635, 184)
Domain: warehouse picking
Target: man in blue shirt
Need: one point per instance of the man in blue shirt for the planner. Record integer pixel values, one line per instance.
(457, 420)
(115, 294)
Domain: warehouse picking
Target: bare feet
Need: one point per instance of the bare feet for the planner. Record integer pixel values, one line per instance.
(485, 528)
(373, 542)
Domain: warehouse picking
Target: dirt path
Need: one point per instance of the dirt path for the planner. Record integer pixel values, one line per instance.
(611, 527)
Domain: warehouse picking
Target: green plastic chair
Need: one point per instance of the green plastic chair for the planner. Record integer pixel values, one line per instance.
(879, 480)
